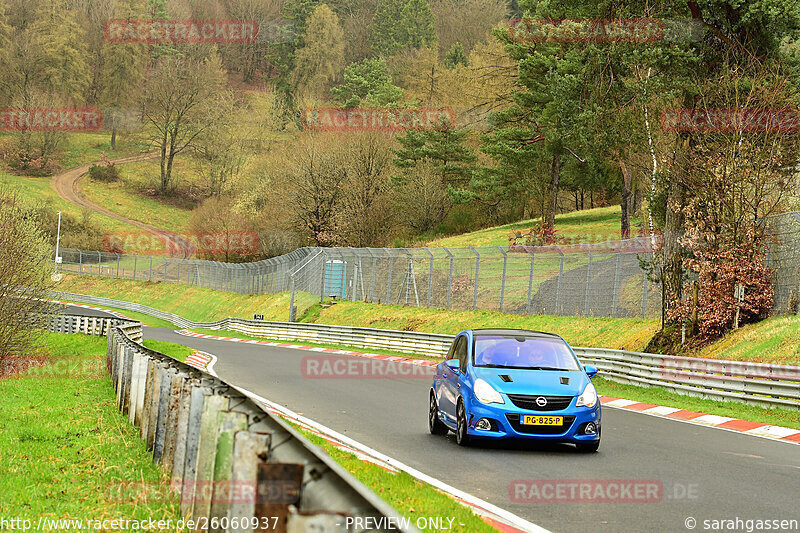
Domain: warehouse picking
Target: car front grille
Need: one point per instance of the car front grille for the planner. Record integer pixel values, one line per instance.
(513, 419)
(554, 403)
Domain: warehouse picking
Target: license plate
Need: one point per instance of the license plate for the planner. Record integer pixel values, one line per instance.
(536, 420)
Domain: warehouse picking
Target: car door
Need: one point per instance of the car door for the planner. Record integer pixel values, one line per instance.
(439, 381)
(451, 379)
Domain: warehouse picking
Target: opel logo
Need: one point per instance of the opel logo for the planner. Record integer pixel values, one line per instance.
(541, 401)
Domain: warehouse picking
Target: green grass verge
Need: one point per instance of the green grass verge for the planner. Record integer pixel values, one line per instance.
(775, 340)
(410, 497)
(661, 396)
(64, 444)
(147, 320)
(176, 351)
(200, 305)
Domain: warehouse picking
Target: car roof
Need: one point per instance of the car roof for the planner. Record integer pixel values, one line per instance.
(512, 331)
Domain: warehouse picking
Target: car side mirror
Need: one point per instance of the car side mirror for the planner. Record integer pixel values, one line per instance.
(590, 371)
(453, 364)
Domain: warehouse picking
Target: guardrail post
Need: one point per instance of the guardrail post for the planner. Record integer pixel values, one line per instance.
(175, 451)
(184, 469)
(477, 273)
(249, 449)
(278, 487)
(168, 374)
(170, 427)
(206, 452)
(230, 422)
(503, 281)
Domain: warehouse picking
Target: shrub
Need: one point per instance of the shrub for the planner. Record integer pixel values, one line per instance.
(104, 172)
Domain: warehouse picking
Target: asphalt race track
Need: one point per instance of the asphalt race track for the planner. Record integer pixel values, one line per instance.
(706, 473)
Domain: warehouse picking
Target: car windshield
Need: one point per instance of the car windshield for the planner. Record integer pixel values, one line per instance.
(535, 353)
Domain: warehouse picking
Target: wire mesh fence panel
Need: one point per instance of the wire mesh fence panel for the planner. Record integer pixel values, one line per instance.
(602, 279)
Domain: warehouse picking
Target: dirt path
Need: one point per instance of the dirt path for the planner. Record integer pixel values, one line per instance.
(67, 186)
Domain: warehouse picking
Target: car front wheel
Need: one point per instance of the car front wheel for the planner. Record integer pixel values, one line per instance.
(462, 439)
(435, 425)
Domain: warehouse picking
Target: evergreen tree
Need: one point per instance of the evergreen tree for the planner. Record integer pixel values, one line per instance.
(367, 82)
(398, 24)
(455, 56)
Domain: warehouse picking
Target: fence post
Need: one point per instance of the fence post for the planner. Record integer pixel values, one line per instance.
(449, 278)
(530, 282)
(503, 280)
(588, 281)
(615, 296)
(292, 309)
(117, 265)
(99, 264)
(389, 278)
(558, 284)
(135, 257)
(151, 267)
(477, 273)
(430, 274)
(80, 261)
(644, 293)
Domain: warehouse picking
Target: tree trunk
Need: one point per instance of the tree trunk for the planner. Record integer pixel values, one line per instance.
(113, 132)
(672, 275)
(637, 200)
(555, 178)
(625, 225)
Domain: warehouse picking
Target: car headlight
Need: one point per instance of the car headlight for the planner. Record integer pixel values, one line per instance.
(485, 393)
(588, 397)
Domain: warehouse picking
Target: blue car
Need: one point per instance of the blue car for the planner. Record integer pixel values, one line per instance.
(507, 383)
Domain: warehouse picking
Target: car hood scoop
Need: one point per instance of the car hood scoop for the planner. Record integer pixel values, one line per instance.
(541, 382)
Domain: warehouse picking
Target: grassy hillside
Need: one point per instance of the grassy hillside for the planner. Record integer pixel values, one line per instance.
(590, 225)
(776, 340)
(209, 305)
(134, 195)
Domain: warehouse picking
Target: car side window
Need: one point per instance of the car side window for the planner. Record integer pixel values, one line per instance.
(451, 352)
(461, 353)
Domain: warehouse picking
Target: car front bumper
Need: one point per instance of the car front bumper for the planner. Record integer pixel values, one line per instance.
(505, 423)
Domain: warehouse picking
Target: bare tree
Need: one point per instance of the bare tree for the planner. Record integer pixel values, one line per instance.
(180, 102)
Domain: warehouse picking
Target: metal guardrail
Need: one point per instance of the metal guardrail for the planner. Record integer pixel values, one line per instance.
(755, 383)
(89, 325)
(234, 466)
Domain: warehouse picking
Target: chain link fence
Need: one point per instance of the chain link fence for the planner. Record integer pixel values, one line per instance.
(603, 279)
(784, 259)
